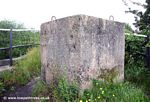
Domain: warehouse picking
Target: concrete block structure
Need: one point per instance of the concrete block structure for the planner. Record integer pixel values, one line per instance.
(82, 48)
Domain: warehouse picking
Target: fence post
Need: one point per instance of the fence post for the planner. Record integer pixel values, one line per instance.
(10, 48)
(148, 56)
(147, 53)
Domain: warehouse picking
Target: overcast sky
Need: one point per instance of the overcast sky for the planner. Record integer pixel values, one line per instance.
(34, 12)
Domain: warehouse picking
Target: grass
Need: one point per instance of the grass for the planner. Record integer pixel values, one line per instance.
(100, 92)
(113, 92)
(63, 92)
(139, 76)
(30, 66)
(2, 87)
(41, 89)
(24, 71)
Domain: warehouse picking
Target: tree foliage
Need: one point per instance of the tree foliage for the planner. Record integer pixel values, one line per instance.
(142, 19)
(128, 29)
(6, 24)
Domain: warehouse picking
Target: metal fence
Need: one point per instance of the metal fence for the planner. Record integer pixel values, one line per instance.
(16, 40)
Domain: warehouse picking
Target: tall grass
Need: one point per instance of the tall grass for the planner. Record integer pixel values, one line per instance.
(113, 92)
(29, 67)
(41, 89)
(32, 62)
(100, 92)
(24, 70)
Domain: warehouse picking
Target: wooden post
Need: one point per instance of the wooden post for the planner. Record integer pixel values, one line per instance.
(10, 48)
(148, 57)
(147, 53)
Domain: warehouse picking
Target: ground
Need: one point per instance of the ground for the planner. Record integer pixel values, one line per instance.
(24, 91)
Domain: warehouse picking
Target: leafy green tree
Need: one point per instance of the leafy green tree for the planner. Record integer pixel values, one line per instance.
(142, 19)
(6, 24)
(128, 29)
(144, 22)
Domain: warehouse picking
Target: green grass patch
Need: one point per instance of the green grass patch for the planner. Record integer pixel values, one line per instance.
(113, 92)
(2, 88)
(28, 68)
(100, 92)
(139, 76)
(24, 70)
(31, 65)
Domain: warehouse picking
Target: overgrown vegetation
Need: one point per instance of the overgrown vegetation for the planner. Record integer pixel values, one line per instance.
(24, 71)
(134, 49)
(100, 92)
(113, 92)
(135, 71)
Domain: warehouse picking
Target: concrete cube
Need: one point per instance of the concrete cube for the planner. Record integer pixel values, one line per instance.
(82, 48)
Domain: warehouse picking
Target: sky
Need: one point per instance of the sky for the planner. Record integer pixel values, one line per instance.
(34, 12)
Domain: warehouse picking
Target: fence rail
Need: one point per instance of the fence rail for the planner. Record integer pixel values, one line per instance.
(18, 30)
(5, 48)
(135, 34)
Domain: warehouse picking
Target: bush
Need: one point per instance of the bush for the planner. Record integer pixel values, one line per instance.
(134, 49)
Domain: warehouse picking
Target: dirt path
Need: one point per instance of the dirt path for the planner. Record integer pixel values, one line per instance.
(22, 92)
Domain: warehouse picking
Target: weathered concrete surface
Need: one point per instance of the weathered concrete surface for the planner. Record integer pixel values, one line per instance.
(82, 47)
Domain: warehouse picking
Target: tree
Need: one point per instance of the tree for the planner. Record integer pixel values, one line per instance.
(144, 22)
(142, 19)
(128, 28)
(6, 24)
